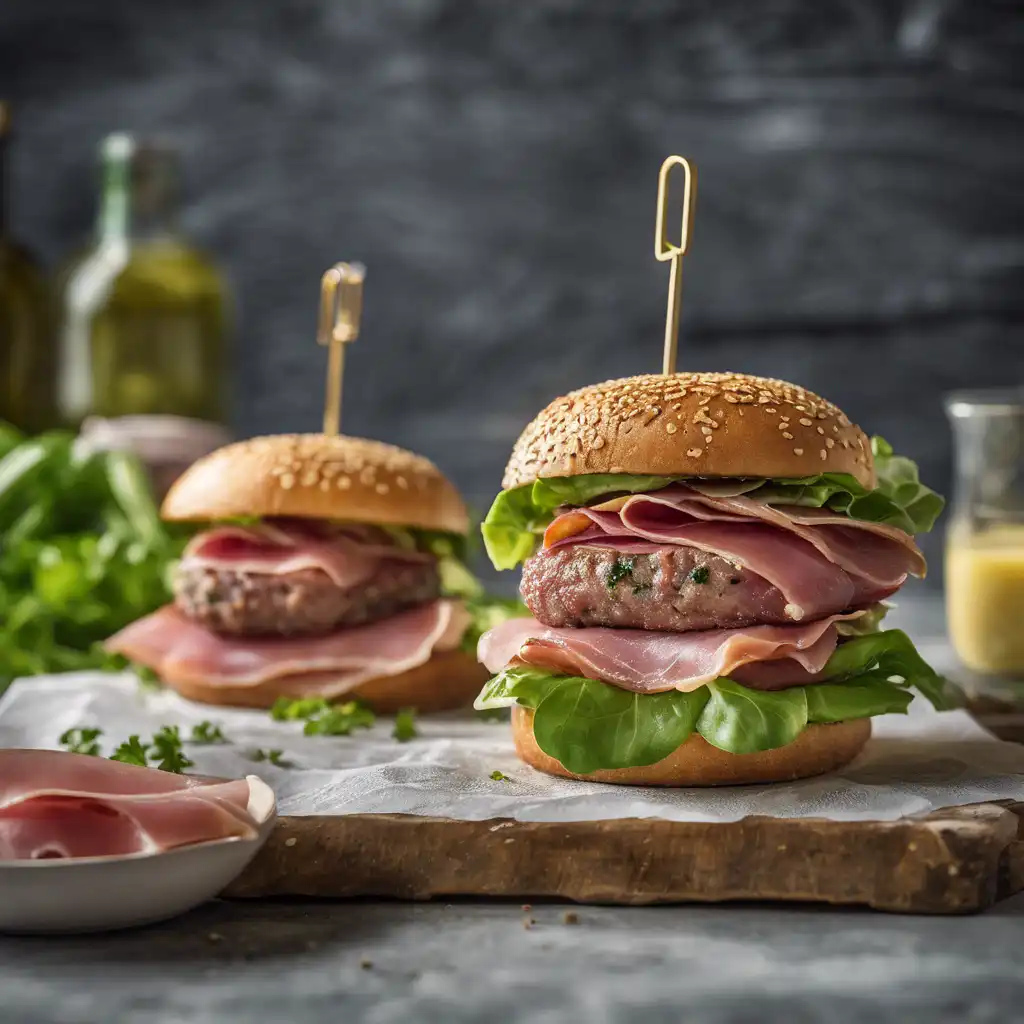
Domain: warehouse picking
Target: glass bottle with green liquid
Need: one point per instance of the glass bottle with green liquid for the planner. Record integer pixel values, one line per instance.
(144, 322)
(27, 358)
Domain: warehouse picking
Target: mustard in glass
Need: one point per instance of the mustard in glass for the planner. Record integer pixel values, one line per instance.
(985, 537)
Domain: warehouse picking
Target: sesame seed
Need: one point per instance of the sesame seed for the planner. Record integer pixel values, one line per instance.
(344, 483)
(694, 452)
(671, 428)
(773, 410)
(730, 398)
(829, 443)
(787, 435)
(403, 484)
(821, 430)
(597, 444)
(805, 422)
(798, 451)
(287, 481)
(824, 454)
(706, 431)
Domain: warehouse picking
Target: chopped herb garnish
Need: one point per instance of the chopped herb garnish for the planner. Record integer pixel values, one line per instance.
(700, 574)
(132, 751)
(286, 710)
(499, 776)
(621, 568)
(641, 588)
(340, 720)
(274, 757)
(82, 741)
(168, 752)
(405, 725)
(207, 732)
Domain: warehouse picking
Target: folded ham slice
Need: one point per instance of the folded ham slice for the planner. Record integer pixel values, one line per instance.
(180, 651)
(821, 561)
(56, 804)
(277, 547)
(644, 661)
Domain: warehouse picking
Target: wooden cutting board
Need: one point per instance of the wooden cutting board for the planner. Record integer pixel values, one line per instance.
(955, 861)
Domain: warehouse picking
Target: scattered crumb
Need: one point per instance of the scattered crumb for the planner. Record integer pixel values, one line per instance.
(215, 937)
(366, 964)
(526, 907)
(529, 922)
(570, 917)
(290, 841)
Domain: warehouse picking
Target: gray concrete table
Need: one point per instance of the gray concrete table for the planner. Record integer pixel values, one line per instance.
(383, 962)
(388, 962)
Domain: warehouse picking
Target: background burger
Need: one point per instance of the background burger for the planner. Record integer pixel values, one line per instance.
(706, 557)
(331, 568)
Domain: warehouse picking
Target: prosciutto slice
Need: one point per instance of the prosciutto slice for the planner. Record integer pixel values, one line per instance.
(277, 547)
(644, 661)
(179, 650)
(821, 562)
(56, 804)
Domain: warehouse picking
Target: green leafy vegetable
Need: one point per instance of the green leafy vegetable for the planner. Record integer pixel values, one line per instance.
(700, 574)
(405, 725)
(167, 750)
(132, 751)
(587, 724)
(206, 733)
(744, 721)
(81, 741)
(486, 613)
(274, 757)
(498, 776)
(323, 718)
(83, 554)
(512, 525)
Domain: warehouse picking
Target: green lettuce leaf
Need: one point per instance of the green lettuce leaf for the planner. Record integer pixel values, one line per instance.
(744, 721)
(512, 525)
(587, 724)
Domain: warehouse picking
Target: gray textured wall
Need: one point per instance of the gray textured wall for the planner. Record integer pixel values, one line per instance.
(859, 227)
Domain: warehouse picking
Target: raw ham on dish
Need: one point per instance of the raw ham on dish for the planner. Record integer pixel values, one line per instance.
(281, 546)
(822, 562)
(645, 661)
(179, 650)
(54, 805)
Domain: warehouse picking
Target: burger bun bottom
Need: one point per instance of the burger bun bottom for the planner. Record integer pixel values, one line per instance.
(449, 679)
(818, 749)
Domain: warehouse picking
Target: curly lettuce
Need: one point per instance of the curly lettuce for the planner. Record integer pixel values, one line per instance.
(518, 516)
(588, 725)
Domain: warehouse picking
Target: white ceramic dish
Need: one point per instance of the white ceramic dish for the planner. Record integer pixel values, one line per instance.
(89, 894)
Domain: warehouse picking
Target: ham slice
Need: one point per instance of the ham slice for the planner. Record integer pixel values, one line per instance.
(56, 804)
(644, 661)
(821, 562)
(277, 547)
(179, 650)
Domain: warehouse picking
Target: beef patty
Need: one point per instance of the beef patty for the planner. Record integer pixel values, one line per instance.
(674, 590)
(303, 602)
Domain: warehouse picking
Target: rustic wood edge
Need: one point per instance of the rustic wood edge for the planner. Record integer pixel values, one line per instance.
(955, 861)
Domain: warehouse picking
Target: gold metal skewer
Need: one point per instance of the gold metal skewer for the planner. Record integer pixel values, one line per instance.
(665, 250)
(341, 310)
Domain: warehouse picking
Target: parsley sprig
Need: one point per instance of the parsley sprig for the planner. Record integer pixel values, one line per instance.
(323, 718)
(165, 750)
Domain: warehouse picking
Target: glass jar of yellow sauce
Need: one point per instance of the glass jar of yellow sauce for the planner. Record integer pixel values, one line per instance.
(985, 538)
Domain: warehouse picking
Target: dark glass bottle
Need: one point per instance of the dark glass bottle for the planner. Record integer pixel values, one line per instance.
(27, 358)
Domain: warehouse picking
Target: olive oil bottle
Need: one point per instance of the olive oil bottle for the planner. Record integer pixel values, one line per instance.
(144, 319)
(27, 360)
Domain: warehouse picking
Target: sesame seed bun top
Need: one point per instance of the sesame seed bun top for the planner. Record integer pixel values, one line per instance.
(318, 476)
(691, 424)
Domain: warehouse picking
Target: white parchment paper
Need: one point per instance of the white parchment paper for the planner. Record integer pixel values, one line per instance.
(914, 764)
